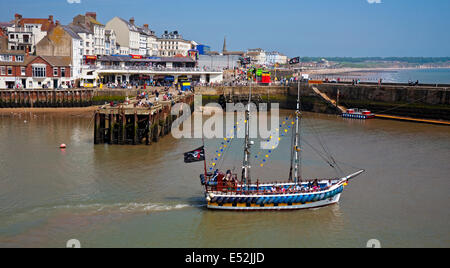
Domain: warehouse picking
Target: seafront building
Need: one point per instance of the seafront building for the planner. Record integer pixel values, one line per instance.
(274, 57)
(127, 34)
(110, 42)
(64, 41)
(144, 71)
(219, 62)
(148, 43)
(24, 33)
(88, 53)
(30, 72)
(172, 44)
(96, 29)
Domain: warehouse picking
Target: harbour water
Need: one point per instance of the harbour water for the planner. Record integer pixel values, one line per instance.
(145, 196)
(425, 76)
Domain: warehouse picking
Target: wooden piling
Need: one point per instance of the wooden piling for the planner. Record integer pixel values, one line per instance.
(102, 128)
(123, 129)
(111, 128)
(135, 128)
(96, 126)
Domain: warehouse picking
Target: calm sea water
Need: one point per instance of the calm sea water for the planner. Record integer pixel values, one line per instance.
(139, 196)
(426, 76)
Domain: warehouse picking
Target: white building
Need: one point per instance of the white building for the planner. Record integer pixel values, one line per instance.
(172, 44)
(275, 57)
(25, 33)
(110, 42)
(87, 44)
(148, 41)
(127, 34)
(257, 56)
(152, 46)
(89, 21)
(77, 53)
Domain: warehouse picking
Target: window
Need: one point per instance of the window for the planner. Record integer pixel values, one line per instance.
(2, 70)
(55, 71)
(10, 72)
(39, 71)
(19, 58)
(63, 72)
(22, 71)
(11, 36)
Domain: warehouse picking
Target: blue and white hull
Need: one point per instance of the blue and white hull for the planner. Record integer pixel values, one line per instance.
(275, 201)
(286, 201)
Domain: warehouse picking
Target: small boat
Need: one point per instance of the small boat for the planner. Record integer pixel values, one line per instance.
(358, 114)
(225, 191)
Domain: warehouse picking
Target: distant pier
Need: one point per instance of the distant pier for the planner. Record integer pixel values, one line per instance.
(401, 118)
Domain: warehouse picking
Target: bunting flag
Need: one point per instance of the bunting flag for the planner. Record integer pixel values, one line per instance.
(195, 156)
(285, 125)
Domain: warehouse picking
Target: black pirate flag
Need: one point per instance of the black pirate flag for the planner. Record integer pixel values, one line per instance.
(294, 60)
(195, 156)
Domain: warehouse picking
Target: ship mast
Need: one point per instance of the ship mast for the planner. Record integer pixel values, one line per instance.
(246, 164)
(297, 171)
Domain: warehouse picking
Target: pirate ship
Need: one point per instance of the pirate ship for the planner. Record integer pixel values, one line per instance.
(225, 191)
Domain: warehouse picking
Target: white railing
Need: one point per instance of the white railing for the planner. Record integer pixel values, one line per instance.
(150, 68)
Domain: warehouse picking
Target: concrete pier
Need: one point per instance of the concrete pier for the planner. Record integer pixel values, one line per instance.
(423, 101)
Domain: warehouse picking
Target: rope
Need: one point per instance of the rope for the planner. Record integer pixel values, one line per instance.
(329, 157)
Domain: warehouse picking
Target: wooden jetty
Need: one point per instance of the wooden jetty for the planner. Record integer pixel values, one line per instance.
(127, 124)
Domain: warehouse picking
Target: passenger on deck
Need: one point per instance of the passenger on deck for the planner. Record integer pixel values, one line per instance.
(216, 173)
(228, 177)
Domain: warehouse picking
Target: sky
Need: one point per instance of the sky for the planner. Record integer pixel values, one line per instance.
(344, 28)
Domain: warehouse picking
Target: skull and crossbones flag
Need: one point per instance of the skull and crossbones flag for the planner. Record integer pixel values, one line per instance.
(294, 60)
(195, 156)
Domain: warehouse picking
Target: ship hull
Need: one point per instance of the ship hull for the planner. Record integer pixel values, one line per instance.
(271, 207)
(275, 202)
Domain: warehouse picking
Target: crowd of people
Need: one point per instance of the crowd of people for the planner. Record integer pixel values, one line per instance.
(231, 184)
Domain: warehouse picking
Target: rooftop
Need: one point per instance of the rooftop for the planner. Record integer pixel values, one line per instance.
(47, 24)
(71, 32)
(131, 26)
(79, 29)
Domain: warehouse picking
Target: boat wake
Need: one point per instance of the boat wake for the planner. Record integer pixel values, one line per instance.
(124, 207)
(96, 209)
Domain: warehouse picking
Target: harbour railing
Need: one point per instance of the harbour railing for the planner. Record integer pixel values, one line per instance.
(150, 68)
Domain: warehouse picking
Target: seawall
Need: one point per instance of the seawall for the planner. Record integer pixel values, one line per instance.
(393, 99)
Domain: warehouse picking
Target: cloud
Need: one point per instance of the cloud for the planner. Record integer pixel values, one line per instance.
(74, 1)
(374, 1)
